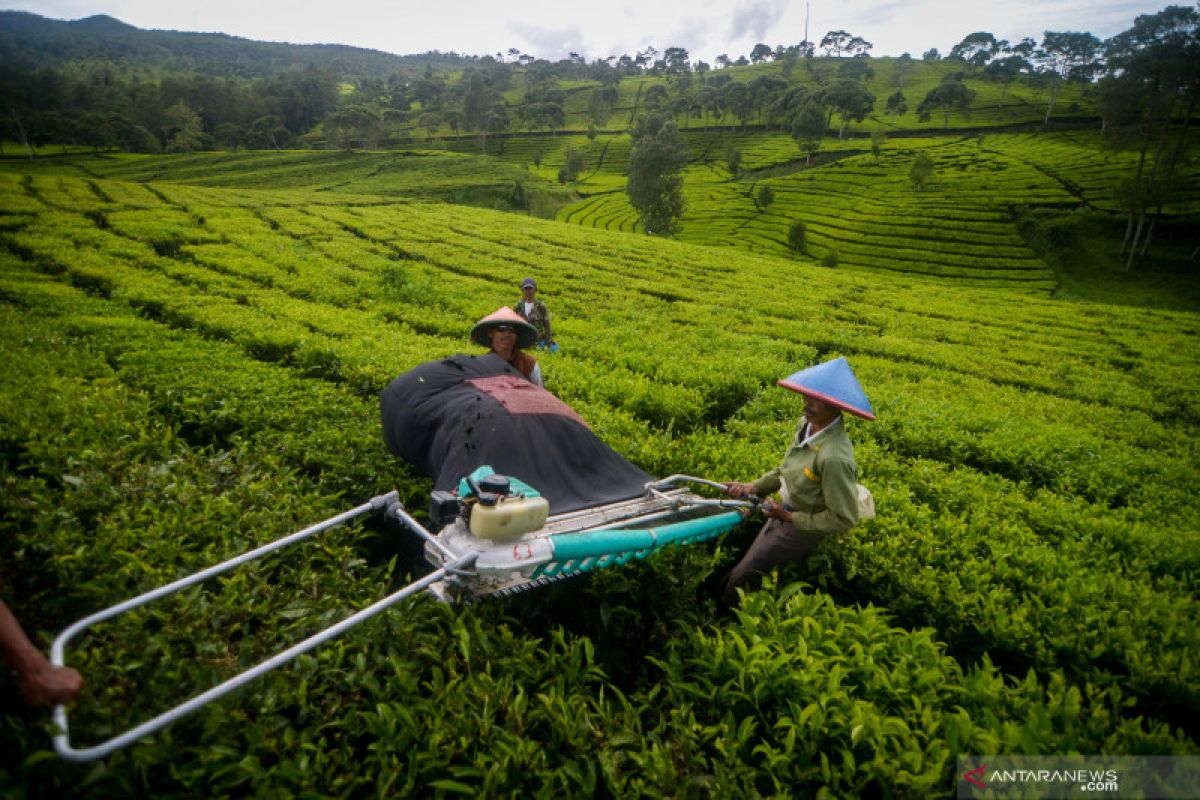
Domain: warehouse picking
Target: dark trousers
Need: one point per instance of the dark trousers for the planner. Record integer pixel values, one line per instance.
(778, 543)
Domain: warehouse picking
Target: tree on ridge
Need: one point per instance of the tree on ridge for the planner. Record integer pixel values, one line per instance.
(655, 183)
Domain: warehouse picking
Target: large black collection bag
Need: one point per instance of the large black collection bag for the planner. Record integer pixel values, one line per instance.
(451, 416)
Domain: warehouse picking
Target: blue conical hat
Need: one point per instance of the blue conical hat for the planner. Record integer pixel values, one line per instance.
(833, 382)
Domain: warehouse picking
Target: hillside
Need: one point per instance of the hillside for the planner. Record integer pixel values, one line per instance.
(1039, 173)
(29, 42)
(968, 227)
(194, 369)
(101, 65)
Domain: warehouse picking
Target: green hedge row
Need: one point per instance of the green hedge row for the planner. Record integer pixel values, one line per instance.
(795, 693)
(1044, 444)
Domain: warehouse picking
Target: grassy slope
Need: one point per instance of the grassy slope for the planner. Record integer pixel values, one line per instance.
(1034, 466)
(965, 226)
(857, 209)
(991, 176)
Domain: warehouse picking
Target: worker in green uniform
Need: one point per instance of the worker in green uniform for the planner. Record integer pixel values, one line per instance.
(817, 480)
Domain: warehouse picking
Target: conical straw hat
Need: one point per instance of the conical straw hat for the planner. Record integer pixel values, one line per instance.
(833, 382)
(526, 333)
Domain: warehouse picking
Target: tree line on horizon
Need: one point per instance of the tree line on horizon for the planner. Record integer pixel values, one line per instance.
(94, 103)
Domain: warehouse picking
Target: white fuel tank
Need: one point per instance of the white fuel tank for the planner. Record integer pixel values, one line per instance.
(509, 518)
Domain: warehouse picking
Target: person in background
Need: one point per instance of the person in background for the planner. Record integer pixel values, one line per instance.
(41, 682)
(817, 480)
(534, 312)
(506, 334)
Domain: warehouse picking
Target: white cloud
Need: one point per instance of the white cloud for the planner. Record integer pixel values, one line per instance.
(551, 29)
(756, 20)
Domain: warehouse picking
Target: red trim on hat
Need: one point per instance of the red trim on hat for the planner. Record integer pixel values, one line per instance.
(833, 401)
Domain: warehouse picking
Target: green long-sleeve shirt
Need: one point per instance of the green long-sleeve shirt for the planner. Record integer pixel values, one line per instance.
(821, 479)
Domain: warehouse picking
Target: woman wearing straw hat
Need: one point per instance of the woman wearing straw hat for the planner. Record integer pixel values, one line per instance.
(817, 480)
(506, 334)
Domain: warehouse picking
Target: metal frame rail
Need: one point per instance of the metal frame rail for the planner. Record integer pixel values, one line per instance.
(389, 501)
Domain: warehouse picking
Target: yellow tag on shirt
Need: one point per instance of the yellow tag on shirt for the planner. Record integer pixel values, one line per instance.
(812, 476)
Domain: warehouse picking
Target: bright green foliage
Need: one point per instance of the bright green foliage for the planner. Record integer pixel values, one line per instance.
(960, 226)
(192, 368)
(1087, 165)
(466, 178)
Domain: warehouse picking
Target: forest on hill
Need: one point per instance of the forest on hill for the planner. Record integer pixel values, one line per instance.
(30, 42)
(102, 84)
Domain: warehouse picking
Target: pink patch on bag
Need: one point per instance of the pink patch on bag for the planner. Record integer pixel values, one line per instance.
(519, 396)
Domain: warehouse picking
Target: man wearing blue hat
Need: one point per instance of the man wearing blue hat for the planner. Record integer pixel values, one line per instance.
(817, 480)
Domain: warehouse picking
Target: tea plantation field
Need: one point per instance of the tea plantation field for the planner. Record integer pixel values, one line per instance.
(859, 210)
(864, 212)
(192, 368)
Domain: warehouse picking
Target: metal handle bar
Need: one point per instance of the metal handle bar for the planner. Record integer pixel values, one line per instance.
(751, 501)
(395, 509)
(62, 742)
(673, 480)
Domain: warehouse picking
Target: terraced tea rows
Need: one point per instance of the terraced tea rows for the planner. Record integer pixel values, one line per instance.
(866, 212)
(195, 369)
(436, 174)
(1087, 166)
(860, 212)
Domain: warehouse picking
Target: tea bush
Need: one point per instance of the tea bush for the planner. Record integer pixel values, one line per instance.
(1027, 587)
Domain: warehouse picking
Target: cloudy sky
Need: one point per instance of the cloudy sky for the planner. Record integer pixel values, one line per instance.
(553, 28)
